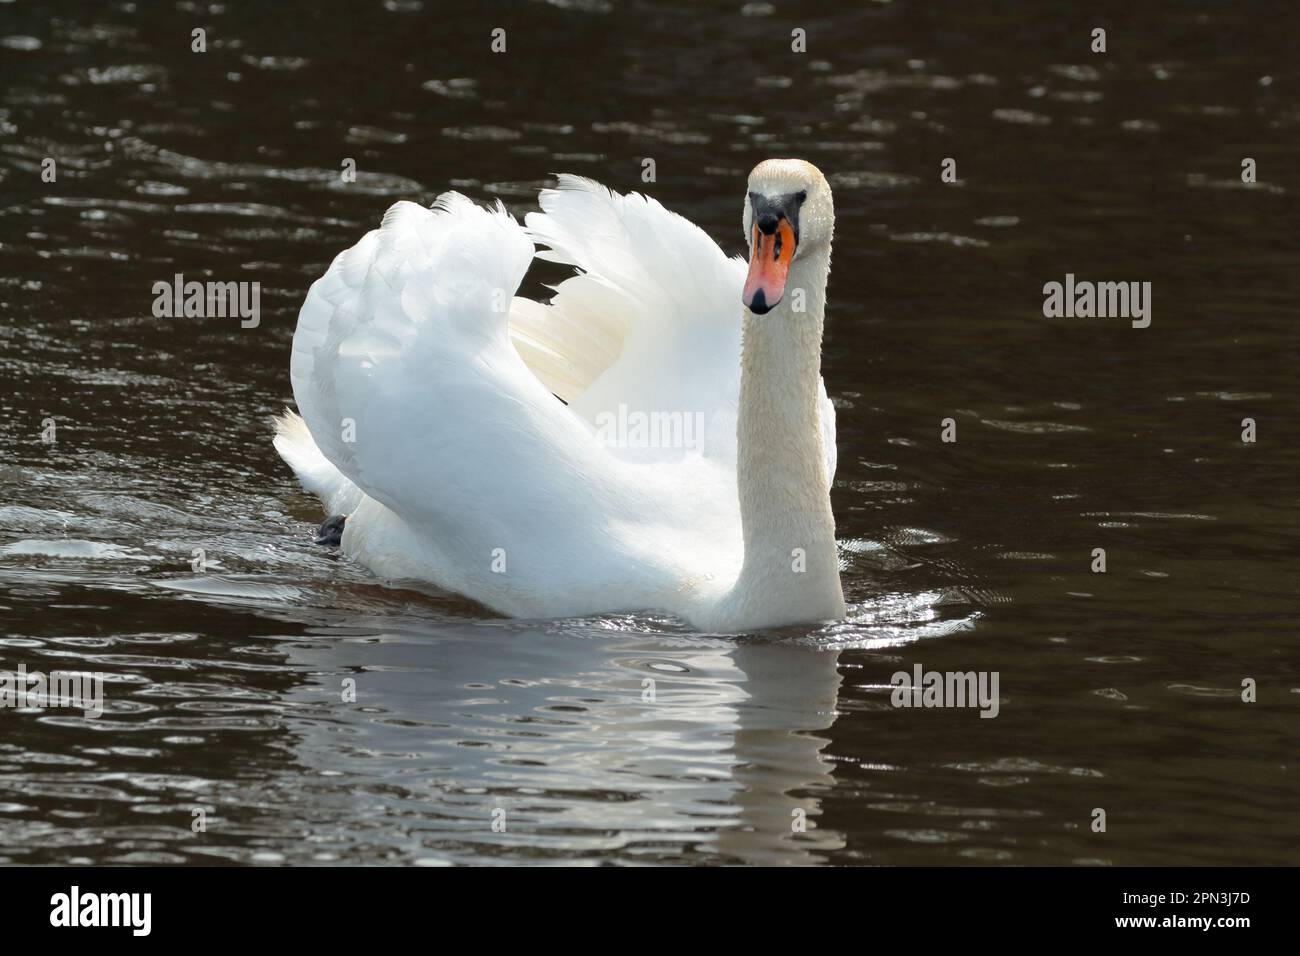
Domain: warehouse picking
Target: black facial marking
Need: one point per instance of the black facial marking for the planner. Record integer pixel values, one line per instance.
(770, 210)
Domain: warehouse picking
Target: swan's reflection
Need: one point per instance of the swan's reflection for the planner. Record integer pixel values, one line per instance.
(792, 693)
(589, 744)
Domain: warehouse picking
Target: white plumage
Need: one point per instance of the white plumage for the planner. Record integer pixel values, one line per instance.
(428, 395)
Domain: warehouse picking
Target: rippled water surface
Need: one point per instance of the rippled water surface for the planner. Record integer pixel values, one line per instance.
(1120, 691)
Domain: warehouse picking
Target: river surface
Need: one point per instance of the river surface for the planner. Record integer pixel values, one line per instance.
(225, 735)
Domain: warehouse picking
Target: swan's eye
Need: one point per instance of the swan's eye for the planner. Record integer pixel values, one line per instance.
(801, 195)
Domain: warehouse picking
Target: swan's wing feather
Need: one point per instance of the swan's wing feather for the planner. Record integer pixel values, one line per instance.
(406, 378)
(658, 301)
(567, 348)
(315, 472)
(358, 344)
(830, 455)
(652, 321)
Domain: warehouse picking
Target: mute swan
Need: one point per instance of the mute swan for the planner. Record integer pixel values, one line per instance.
(499, 447)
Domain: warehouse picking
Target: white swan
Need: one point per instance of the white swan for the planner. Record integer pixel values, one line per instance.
(428, 394)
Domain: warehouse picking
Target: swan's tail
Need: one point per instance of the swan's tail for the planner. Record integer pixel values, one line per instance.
(296, 446)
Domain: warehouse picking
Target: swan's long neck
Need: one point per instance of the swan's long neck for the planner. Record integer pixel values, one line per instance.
(791, 565)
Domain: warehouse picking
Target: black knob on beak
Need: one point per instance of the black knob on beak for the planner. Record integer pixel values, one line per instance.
(766, 222)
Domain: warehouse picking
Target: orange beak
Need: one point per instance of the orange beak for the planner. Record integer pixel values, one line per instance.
(769, 264)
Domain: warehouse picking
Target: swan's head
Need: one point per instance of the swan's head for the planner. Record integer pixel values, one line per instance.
(788, 215)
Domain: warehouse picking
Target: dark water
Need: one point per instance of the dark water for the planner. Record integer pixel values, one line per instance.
(1120, 691)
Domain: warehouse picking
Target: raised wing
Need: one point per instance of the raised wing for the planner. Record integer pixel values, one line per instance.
(404, 373)
(652, 322)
